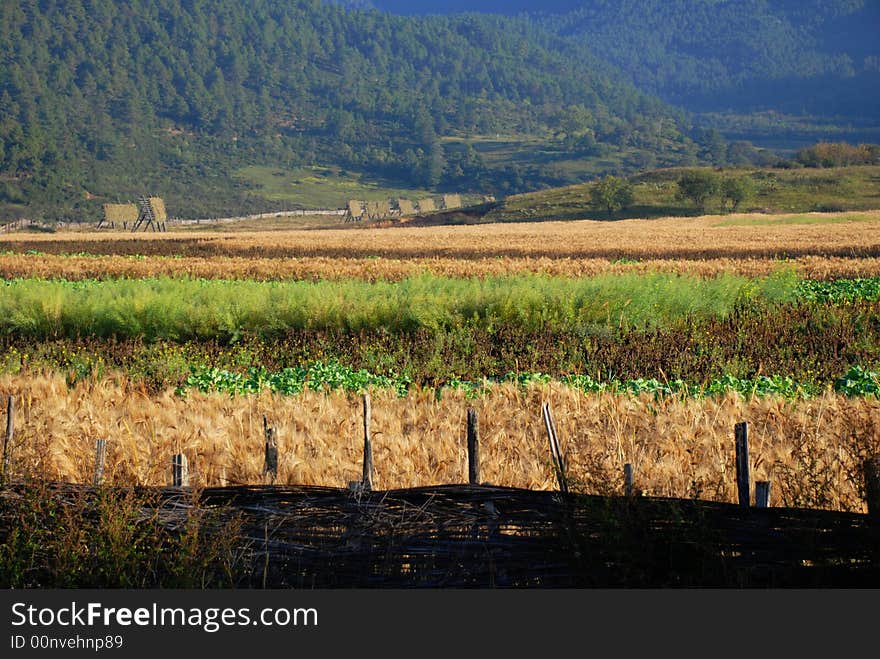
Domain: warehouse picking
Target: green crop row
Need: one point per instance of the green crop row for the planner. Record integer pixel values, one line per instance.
(334, 376)
(292, 380)
(839, 291)
(189, 309)
(811, 342)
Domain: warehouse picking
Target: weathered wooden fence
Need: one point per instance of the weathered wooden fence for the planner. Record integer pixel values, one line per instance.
(482, 535)
(180, 466)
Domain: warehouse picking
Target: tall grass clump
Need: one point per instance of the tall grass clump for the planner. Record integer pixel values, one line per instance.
(112, 538)
(185, 309)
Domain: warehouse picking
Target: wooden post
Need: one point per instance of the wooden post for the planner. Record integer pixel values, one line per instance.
(10, 429)
(762, 494)
(100, 457)
(741, 432)
(473, 447)
(367, 478)
(872, 485)
(179, 471)
(271, 463)
(628, 479)
(555, 452)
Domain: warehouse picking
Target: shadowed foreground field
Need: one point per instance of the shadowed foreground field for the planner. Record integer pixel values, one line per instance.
(435, 537)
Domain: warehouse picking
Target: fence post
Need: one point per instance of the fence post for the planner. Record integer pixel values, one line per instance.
(628, 479)
(100, 457)
(872, 485)
(741, 432)
(762, 494)
(179, 471)
(473, 447)
(271, 463)
(367, 479)
(10, 429)
(556, 453)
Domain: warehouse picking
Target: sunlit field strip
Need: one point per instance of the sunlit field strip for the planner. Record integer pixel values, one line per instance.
(811, 450)
(374, 269)
(207, 309)
(668, 238)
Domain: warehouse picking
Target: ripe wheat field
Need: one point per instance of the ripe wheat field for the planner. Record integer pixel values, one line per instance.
(707, 237)
(77, 267)
(817, 246)
(811, 449)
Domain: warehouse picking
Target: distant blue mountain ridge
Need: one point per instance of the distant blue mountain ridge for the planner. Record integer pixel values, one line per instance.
(819, 57)
(511, 7)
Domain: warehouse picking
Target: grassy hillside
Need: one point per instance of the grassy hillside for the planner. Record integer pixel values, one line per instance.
(320, 187)
(655, 195)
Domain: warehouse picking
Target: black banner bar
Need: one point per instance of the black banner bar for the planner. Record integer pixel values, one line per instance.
(335, 623)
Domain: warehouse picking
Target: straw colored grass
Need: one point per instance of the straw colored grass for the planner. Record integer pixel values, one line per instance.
(374, 269)
(811, 450)
(668, 238)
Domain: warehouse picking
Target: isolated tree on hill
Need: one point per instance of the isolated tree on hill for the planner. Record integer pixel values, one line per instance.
(736, 190)
(698, 185)
(714, 147)
(612, 194)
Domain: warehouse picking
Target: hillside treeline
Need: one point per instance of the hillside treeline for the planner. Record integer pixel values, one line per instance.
(102, 99)
(819, 57)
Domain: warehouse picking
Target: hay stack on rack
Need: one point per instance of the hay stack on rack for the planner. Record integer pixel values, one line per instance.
(118, 214)
(451, 201)
(378, 210)
(354, 211)
(152, 214)
(406, 207)
(158, 206)
(148, 214)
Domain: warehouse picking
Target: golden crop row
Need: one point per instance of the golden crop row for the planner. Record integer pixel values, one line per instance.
(709, 237)
(373, 269)
(811, 450)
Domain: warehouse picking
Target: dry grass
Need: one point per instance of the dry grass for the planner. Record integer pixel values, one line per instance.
(373, 269)
(703, 246)
(708, 237)
(810, 450)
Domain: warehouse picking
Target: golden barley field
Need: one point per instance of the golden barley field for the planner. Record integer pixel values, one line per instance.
(811, 450)
(709, 237)
(48, 266)
(817, 246)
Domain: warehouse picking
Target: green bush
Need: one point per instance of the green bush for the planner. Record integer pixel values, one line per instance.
(859, 381)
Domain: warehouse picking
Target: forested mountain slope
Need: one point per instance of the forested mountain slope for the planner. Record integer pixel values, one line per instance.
(101, 100)
(801, 56)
